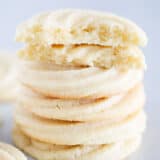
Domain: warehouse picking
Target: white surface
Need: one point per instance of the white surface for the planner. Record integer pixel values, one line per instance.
(145, 13)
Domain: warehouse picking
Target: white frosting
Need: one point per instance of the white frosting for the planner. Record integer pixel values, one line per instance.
(37, 149)
(73, 133)
(64, 82)
(113, 108)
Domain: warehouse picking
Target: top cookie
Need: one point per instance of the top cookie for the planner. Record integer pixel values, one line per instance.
(80, 27)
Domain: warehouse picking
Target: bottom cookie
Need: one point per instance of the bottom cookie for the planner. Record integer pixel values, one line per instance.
(8, 152)
(44, 151)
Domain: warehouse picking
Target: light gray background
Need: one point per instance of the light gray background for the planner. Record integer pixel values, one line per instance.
(146, 13)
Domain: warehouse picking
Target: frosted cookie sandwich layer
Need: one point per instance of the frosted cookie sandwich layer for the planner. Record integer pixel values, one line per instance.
(122, 58)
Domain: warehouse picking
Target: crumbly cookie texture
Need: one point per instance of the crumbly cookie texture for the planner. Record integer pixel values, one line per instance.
(123, 58)
(80, 27)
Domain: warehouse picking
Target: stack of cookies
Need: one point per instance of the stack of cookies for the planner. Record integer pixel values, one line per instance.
(80, 91)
